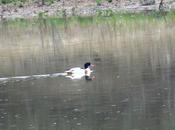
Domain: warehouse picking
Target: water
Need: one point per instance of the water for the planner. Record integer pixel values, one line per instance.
(133, 88)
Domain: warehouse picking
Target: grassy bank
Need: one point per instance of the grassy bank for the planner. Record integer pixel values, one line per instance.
(120, 19)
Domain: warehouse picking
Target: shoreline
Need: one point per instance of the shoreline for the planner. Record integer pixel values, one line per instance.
(58, 10)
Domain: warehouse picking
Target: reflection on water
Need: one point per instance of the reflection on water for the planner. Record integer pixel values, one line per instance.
(133, 89)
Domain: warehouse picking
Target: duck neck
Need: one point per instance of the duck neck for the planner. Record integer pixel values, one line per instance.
(88, 71)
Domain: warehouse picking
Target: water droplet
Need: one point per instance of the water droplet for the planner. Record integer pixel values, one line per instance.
(54, 123)
(113, 105)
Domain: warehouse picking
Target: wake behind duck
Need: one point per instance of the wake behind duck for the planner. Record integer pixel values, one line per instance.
(73, 73)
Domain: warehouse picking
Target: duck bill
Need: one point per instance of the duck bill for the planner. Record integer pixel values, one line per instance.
(92, 65)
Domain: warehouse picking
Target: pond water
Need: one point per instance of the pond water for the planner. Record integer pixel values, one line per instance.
(133, 89)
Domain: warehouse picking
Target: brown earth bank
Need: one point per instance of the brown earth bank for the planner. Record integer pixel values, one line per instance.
(82, 7)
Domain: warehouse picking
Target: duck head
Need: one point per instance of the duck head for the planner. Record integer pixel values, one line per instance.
(88, 65)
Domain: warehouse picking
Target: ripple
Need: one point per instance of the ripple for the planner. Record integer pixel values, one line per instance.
(75, 118)
(5, 113)
(12, 126)
(76, 110)
(6, 100)
(79, 123)
(17, 116)
(107, 118)
(125, 100)
(97, 112)
(54, 123)
(117, 111)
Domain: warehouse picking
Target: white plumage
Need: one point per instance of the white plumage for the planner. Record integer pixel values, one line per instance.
(78, 73)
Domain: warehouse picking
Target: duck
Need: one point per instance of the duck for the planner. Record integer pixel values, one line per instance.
(78, 72)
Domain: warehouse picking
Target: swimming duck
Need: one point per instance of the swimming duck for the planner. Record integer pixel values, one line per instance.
(78, 73)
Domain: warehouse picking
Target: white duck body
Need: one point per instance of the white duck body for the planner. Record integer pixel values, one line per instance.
(78, 73)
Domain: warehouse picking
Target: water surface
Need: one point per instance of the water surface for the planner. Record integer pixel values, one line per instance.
(133, 88)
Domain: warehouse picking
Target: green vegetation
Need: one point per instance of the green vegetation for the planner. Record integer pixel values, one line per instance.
(17, 2)
(98, 2)
(105, 13)
(138, 19)
(42, 15)
(21, 2)
(12, 1)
